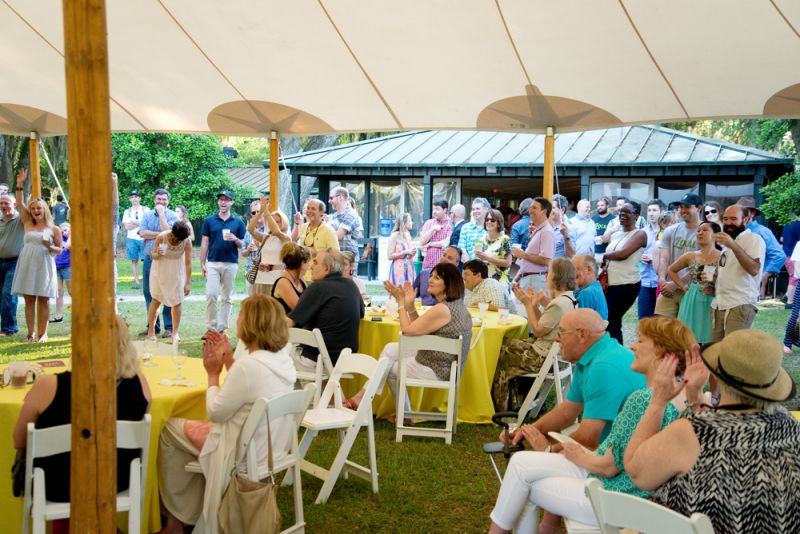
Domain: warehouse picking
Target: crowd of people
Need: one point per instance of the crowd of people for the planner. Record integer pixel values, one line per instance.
(697, 273)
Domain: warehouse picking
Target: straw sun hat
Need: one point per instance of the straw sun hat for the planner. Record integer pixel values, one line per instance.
(750, 361)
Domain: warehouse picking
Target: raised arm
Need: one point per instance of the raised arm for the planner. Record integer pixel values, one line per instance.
(24, 214)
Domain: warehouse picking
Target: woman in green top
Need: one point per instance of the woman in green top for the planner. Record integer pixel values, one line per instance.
(555, 482)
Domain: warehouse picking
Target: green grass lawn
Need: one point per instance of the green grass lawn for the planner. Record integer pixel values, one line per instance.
(425, 485)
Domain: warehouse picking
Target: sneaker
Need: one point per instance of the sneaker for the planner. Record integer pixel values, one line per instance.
(166, 334)
(56, 320)
(788, 351)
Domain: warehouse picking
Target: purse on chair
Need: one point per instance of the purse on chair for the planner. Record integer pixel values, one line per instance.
(248, 506)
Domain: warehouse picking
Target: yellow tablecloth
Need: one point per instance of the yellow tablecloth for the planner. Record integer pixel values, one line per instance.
(167, 402)
(475, 393)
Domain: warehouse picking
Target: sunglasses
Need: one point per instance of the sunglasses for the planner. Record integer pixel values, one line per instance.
(253, 213)
(489, 219)
(710, 211)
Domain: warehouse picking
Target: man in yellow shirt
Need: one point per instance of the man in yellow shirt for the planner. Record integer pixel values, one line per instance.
(316, 234)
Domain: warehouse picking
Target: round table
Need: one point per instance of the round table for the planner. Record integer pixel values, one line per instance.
(173, 401)
(475, 390)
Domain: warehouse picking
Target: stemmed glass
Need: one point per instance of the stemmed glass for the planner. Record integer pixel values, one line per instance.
(149, 347)
(179, 358)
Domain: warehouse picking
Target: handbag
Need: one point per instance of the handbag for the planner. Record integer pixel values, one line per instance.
(18, 474)
(603, 279)
(248, 506)
(252, 272)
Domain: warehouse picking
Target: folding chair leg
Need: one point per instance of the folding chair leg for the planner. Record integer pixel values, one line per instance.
(338, 465)
(373, 462)
(308, 437)
(299, 519)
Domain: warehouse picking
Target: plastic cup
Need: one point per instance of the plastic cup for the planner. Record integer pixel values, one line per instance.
(502, 315)
(226, 234)
(47, 235)
(598, 240)
(162, 248)
(483, 307)
(19, 373)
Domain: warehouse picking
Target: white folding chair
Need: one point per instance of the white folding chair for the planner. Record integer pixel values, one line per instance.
(56, 440)
(616, 511)
(409, 344)
(313, 338)
(346, 421)
(294, 404)
(553, 372)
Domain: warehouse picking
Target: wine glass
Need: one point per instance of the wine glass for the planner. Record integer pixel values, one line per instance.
(148, 348)
(179, 358)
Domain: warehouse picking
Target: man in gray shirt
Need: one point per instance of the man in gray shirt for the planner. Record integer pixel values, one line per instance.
(12, 236)
(676, 241)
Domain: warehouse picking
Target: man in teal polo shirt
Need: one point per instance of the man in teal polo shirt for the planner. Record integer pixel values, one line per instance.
(602, 380)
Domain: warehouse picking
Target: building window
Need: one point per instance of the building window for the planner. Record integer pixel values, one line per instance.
(727, 193)
(385, 198)
(673, 191)
(634, 189)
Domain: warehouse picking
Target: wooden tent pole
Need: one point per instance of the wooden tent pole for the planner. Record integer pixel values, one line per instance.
(36, 174)
(549, 151)
(93, 465)
(274, 188)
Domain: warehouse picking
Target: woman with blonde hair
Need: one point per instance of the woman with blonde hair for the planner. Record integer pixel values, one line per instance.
(556, 481)
(49, 403)
(401, 251)
(264, 368)
(270, 267)
(35, 277)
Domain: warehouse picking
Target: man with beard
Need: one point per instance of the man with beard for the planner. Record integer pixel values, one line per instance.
(738, 276)
(601, 219)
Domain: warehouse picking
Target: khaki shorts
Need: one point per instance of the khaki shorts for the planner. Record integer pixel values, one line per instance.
(668, 306)
(723, 322)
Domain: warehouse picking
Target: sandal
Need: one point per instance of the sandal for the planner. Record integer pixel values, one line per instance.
(56, 320)
(350, 404)
(31, 338)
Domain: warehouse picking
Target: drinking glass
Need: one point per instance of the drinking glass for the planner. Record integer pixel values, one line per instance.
(179, 358)
(483, 307)
(148, 348)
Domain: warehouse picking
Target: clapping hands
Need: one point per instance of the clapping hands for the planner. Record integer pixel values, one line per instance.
(403, 294)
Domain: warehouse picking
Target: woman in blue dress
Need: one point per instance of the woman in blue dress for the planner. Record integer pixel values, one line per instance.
(695, 273)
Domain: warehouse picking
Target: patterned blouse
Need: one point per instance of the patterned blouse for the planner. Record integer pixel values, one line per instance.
(747, 477)
(460, 325)
(498, 248)
(694, 270)
(621, 431)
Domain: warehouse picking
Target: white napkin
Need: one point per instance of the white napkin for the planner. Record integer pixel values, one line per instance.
(170, 383)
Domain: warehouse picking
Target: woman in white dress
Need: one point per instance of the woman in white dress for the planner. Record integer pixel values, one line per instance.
(170, 275)
(270, 268)
(35, 277)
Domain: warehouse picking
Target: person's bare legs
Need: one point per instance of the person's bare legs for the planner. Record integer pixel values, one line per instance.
(135, 269)
(176, 320)
(60, 300)
(550, 523)
(494, 529)
(30, 315)
(43, 316)
(152, 313)
(790, 294)
(173, 526)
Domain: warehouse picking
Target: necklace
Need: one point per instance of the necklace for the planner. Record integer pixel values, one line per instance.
(312, 233)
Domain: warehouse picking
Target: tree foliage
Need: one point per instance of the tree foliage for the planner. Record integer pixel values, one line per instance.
(782, 199)
(190, 167)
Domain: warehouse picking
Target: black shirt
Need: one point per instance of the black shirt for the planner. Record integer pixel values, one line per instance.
(333, 305)
(454, 237)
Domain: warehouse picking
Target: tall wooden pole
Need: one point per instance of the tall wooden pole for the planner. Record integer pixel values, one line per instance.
(273, 171)
(36, 174)
(549, 152)
(94, 405)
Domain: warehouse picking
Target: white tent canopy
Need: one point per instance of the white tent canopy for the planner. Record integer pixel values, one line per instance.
(310, 67)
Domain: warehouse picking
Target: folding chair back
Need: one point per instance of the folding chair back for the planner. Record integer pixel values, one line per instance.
(313, 338)
(616, 511)
(56, 440)
(346, 421)
(292, 404)
(553, 372)
(410, 344)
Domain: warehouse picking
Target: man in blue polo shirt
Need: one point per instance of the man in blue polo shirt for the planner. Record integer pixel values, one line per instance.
(602, 380)
(588, 291)
(219, 258)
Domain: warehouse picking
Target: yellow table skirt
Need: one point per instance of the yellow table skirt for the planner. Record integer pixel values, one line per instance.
(475, 394)
(167, 402)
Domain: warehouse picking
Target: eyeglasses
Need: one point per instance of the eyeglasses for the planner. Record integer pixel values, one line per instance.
(710, 211)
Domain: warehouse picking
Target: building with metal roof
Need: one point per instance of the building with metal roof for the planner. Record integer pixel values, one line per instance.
(405, 172)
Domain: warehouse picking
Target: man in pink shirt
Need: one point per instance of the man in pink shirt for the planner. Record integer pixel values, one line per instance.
(535, 260)
(435, 235)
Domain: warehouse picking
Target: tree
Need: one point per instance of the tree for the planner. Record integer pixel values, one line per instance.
(190, 167)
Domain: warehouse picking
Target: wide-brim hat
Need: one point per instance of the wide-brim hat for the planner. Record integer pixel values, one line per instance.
(749, 203)
(749, 361)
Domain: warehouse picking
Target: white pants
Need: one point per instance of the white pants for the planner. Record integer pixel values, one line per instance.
(219, 283)
(541, 479)
(414, 369)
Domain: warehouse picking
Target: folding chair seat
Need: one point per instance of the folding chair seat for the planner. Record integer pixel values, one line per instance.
(616, 511)
(346, 421)
(56, 440)
(410, 344)
(313, 338)
(294, 404)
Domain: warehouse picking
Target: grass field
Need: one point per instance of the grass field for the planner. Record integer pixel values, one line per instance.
(424, 484)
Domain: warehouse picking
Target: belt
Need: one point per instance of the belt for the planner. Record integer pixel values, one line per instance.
(533, 274)
(9, 259)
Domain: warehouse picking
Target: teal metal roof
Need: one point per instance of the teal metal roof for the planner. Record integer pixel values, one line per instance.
(626, 146)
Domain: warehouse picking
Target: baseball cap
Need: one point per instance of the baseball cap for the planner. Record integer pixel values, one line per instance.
(225, 193)
(690, 199)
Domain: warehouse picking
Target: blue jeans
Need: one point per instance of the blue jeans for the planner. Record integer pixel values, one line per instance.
(647, 302)
(167, 311)
(8, 302)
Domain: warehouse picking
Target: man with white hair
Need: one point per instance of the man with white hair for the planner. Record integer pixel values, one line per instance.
(473, 231)
(520, 231)
(583, 229)
(12, 235)
(457, 214)
(316, 234)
